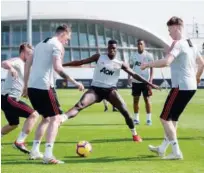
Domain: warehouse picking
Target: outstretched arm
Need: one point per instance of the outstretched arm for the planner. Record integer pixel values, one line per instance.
(159, 63)
(57, 64)
(130, 72)
(93, 58)
(200, 63)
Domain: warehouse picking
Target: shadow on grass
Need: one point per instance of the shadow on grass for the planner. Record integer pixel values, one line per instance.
(77, 159)
(20, 162)
(87, 125)
(95, 141)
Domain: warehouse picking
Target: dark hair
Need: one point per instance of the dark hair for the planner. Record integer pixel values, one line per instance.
(63, 28)
(23, 46)
(139, 40)
(112, 42)
(175, 21)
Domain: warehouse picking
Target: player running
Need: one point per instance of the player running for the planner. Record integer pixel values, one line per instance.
(11, 104)
(48, 57)
(187, 67)
(106, 75)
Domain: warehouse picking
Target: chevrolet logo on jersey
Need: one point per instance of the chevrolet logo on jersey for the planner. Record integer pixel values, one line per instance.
(137, 63)
(106, 71)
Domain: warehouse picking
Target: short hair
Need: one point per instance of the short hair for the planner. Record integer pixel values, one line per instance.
(175, 21)
(112, 42)
(139, 40)
(63, 28)
(23, 46)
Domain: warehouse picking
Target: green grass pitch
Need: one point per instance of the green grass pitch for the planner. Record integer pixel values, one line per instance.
(113, 148)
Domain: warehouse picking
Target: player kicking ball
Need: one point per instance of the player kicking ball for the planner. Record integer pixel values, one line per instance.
(106, 75)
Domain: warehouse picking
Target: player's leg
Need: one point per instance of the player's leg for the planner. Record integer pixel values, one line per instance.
(53, 111)
(39, 133)
(114, 109)
(88, 98)
(7, 129)
(21, 109)
(148, 110)
(136, 93)
(161, 149)
(105, 103)
(46, 107)
(116, 100)
(11, 119)
(177, 108)
(147, 92)
(31, 118)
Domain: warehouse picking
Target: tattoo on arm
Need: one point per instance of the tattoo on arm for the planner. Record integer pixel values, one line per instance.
(63, 75)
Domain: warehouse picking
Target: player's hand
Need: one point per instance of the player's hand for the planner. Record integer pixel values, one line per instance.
(25, 92)
(144, 66)
(198, 80)
(14, 73)
(155, 86)
(80, 86)
(129, 81)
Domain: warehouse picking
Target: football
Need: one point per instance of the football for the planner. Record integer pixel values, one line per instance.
(83, 148)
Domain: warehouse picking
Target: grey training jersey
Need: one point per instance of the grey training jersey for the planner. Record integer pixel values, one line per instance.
(136, 60)
(183, 68)
(106, 72)
(14, 87)
(42, 71)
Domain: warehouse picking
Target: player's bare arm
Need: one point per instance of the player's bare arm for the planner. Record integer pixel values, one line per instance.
(165, 62)
(200, 63)
(151, 74)
(93, 58)
(27, 67)
(7, 64)
(129, 77)
(60, 70)
(130, 72)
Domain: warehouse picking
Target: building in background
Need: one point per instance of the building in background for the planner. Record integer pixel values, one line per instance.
(88, 37)
(91, 30)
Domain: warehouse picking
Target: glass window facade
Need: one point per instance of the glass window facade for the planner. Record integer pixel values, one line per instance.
(16, 35)
(67, 55)
(36, 34)
(5, 34)
(87, 38)
(46, 32)
(75, 36)
(92, 35)
(101, 37)
(83, 36)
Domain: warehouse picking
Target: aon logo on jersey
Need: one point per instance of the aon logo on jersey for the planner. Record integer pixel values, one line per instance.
(137, 63)
(106, 71)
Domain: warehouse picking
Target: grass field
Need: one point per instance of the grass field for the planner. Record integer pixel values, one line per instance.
(113, 148)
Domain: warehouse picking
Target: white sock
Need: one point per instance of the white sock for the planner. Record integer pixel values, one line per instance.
(64, 117)
(36, 146)
(21, 138)
(136, 116)
(164, 145)
(133, 131)
(149, 116)
(48, 150)
(175, 146)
